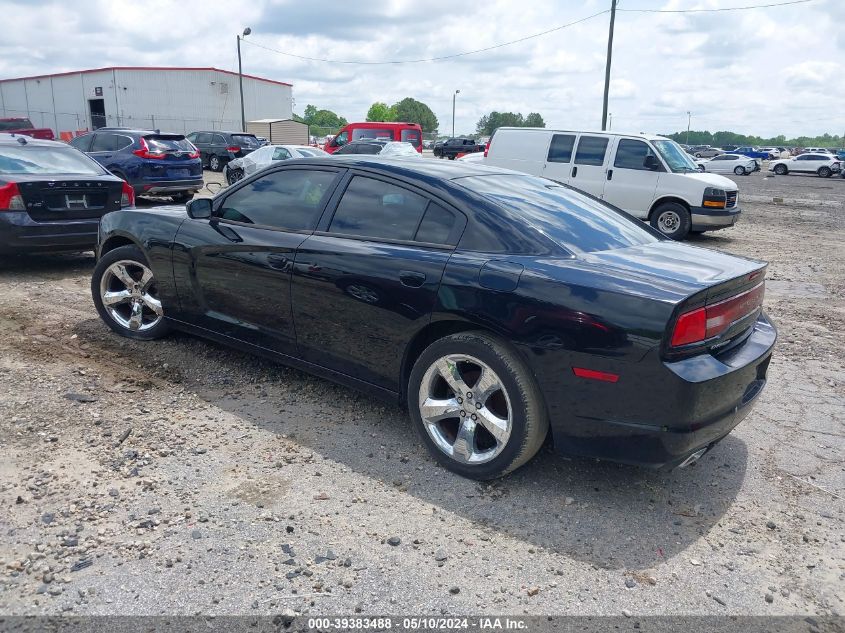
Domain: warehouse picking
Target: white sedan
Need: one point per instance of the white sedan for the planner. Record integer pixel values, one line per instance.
(729, 164)
(264, 156)
(825, 165)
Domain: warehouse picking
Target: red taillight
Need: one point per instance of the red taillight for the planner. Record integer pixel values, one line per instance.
(10, 198)
(127, 196)
(145, 152)
(704, 323)
(194, 154)
(234, 149)
(487, 148)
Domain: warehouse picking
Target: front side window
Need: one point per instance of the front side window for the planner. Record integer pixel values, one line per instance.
(341, 139)
(291, 200)
(203, 137)
(560, 149)
(677, 159)
(82, 143)
(373, 208)
(632, 154)
(591, 151)
(280, 153)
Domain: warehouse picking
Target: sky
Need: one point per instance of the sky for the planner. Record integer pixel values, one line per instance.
(764, 72)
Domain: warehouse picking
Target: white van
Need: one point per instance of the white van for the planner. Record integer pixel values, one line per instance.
(650, 177)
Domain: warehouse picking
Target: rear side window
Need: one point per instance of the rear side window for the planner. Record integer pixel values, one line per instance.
(573, 220)
(245, 140)
(203, 137)
(46, 160)
(82, 143)
(171, 143)
(280, 153)
(360, 133)
(631, 154)
(104, 143)
(560, 149)
(291, 200)
(591, 151)
(372, 208)
(436, 225)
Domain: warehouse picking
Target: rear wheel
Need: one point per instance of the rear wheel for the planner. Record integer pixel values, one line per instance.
(125, 293)
(739, 170)
(825, 172)
(214, 163)
(781, 170)
(672, 219)
(476, 405)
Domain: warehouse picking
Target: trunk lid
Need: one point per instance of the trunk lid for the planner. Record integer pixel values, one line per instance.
(56, 199)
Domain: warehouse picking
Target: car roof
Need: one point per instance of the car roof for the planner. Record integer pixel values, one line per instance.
(9, 139)
(649, 137)
(422, 168)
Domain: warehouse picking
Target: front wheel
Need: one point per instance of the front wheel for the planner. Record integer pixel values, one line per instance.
(781, 170)
(125, 293)
(739, 170)
(825, 172)
(476, 405)
(672, 219)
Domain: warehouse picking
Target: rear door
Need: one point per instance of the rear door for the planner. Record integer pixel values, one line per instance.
(103, 147)
(558, 165)
(233, 270)
(630, 184)
(588, 170)
(367, 280)
(176, 162)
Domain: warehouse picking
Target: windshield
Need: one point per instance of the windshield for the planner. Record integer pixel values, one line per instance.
(174, 143)
(15, 124)
(46, 160)
(566, 216)
(677, 159)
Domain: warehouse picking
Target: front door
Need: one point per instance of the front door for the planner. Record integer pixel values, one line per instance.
(588, 172)
(233, 271)
(367, 282)
(630, 183)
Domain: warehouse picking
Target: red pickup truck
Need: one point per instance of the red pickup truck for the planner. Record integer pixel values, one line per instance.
(20, 125)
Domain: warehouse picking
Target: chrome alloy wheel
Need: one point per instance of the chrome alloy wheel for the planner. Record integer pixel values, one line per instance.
(129, 294)
(668, 222)
(465, 409)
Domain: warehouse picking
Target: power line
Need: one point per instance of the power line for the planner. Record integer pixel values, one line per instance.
(431, 59)
(746, 8)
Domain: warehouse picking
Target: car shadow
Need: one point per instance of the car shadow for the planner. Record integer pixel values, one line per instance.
(609, 515)
(47, 263)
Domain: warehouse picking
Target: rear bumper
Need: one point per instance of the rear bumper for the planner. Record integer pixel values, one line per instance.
(660, 420)
(19, 233)
(164, 187)
(706, 219)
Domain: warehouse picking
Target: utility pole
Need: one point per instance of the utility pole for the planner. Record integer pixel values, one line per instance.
(453, 112)
(689, 120)
(610, 121)
(247, 31)
(607, 68)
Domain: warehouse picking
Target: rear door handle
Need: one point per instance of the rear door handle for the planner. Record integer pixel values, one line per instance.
(610, 174)
(575, 171)
(411, 278)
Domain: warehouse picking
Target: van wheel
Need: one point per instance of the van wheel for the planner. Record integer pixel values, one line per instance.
(825, 172)
(672, 219)
(476, 405)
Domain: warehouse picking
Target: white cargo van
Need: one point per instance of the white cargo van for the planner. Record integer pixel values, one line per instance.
(649, 177)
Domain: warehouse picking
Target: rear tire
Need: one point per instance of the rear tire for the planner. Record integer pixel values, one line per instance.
(125, 294)
(214, 163)
(476, 375)
(672, 219)
(781, 170)
(234, 175)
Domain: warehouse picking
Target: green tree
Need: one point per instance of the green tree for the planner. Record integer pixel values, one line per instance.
(380, 111)
(412, 111)
(320, 118)
(534, 120)
(489, 123)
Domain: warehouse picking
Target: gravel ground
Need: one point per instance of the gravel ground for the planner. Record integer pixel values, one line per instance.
(183, 477)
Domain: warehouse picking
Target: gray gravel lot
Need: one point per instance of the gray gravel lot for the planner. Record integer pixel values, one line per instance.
(183, 477)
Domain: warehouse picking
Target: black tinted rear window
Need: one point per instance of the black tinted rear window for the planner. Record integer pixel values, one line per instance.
(22, 159)
(571, 219)
(245, 140)
(171, 143)
(18, 124)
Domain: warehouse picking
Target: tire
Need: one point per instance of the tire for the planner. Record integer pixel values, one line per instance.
(698, 155)
(135, 310)
(672, 219)
(739, 170)
(234, 175)
(781, 170)
(825, 172)
(513, 405)
(182, 196)
(214, 163)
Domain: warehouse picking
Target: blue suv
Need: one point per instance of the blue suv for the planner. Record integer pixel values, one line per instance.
(154, 164)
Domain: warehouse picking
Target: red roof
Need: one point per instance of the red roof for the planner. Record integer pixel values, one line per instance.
(97, 70)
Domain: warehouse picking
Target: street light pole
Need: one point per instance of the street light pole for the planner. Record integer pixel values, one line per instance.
(607, 67)
(689, 120)
(247, 31)
(453, 112)
(610, 121)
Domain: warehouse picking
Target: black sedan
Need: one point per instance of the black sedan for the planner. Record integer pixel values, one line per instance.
(498, 307)
(52, 196)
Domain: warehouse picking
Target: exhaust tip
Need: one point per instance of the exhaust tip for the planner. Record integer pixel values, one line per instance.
(689, 461)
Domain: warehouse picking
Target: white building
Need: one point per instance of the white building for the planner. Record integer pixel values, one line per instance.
(169, 99)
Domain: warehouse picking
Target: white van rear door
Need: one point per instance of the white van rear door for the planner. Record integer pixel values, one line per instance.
(630, 184)
(559, 158)
(588, 172)
(520, 150)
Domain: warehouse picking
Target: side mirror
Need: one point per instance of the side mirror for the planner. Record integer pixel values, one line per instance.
(650, 162)
(199, 209)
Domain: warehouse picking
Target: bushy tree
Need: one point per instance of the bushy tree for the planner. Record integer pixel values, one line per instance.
(410, 110)
(490, 122)
(380, 111)
(321, 118)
